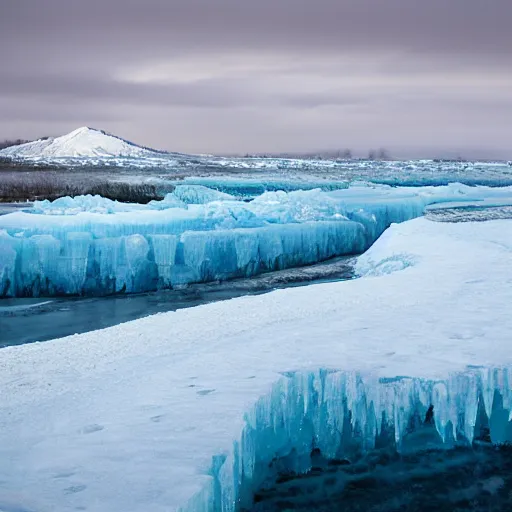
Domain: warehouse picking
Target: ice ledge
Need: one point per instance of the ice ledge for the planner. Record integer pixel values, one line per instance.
(345, 414)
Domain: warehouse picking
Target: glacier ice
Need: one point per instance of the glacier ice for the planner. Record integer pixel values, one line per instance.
(199, 194)
(92, 245)
(345, 414)
(98, 204)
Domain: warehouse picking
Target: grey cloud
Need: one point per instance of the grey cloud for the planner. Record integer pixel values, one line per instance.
(357, 70)
(159, 28)
(213, 93)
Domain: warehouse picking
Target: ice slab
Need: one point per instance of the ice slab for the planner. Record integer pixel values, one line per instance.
(92, 246)
(98, 204)
(272, 174)
(163, 413)
(198, 194)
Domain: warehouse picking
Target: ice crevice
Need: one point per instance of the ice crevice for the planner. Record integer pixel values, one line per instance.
(342, 415)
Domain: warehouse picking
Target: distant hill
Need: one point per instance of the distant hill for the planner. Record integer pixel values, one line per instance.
(81, 143)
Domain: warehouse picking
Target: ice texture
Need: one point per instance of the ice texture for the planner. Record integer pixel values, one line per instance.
(345, 414)
(91, 245)
(98, 204)
(184, 410)
(199, 194)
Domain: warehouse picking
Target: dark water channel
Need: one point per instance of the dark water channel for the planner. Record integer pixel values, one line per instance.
(424, 474)
(29, 320)
(461, 479)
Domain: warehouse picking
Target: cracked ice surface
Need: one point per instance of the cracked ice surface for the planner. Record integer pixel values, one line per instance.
(92, 245)
(164, 412)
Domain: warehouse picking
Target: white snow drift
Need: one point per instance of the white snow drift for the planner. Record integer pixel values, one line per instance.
(178, 411)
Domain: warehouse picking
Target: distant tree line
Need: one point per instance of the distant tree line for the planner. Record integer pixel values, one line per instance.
(50, 185)
(378, 154)
(341, 154)
(7, 143)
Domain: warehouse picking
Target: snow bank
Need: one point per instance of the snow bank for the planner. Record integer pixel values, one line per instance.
(181, 411)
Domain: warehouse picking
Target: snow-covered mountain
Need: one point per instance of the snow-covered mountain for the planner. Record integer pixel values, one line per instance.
(81, 143)
(92, 149)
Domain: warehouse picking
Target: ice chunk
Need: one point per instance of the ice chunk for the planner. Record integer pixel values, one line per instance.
(300, 206)
(73, 205)
(164, 256)
(98, 204)
(332, 398)
(9, 248)
(198, 194)
(224, 254)
(345, 414)
(169, 201)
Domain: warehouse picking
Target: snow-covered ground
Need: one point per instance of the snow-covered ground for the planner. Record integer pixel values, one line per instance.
(179, 410)
(93, 246)
(91, 149)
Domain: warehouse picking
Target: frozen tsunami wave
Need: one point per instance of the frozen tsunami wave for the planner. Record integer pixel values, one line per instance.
(94, 246)
(186, 410)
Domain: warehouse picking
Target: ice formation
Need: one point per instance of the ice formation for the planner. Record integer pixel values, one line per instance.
(92, 245)
(199, 194)
(98, 204)
(345, 414)
(185, 410)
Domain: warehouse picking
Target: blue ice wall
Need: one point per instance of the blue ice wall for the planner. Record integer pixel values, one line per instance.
(88, 245)
(335, 175)
(78, 264)
(346, 414)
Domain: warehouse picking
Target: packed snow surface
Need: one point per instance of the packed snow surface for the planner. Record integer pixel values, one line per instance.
(93, 246)
(181, 411)
(80, 143)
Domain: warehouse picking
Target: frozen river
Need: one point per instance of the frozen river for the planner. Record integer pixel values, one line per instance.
(29, 320)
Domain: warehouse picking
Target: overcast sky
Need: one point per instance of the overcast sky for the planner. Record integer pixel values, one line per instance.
(417, 77)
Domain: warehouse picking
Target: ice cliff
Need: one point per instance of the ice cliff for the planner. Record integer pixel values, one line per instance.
(346, 414)
(91, 245)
